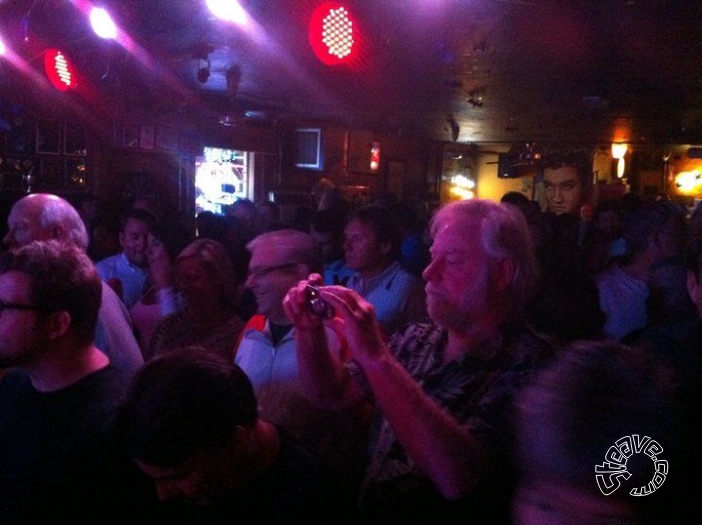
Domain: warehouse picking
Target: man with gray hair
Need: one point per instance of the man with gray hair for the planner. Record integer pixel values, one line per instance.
(266, 352)
(440, 447)
(43, 216)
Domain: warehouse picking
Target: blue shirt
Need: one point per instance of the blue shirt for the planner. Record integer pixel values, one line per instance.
(133, 278)
(337, 273)
(396, 295)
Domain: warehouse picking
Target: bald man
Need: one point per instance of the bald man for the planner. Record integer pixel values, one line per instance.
(43, 216)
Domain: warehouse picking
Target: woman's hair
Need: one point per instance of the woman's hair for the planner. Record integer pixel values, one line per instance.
(214, 258)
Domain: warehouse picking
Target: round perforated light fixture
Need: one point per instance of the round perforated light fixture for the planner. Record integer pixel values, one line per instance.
(331, 33)
(59, 70)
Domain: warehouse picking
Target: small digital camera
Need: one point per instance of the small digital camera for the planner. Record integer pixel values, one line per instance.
(317, 305)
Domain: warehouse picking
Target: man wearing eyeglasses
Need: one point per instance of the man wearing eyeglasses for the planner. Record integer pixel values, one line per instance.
(60, 392)
(42, 216)
(267, 353)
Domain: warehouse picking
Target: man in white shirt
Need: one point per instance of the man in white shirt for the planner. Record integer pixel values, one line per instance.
(267, 353)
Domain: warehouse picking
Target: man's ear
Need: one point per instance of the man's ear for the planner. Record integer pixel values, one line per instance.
(58, 232)
(504, 274)
(59, 324)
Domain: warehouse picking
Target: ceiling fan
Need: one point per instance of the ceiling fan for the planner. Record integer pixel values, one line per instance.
(244, 108)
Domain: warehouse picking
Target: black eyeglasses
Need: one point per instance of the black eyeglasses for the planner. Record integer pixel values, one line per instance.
(264, 271)
(17, 306)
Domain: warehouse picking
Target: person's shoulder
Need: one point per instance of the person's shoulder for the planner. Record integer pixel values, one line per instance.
(255, 325)
(109, 296)
(402, 277)
(105, 386)
(108, 264)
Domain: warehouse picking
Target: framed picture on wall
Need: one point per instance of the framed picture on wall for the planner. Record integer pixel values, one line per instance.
(307, 148)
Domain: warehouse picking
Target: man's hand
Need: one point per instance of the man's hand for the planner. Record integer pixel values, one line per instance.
(296, 304)
(355, 319)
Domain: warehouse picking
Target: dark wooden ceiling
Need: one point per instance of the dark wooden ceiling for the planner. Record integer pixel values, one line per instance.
(470, 71)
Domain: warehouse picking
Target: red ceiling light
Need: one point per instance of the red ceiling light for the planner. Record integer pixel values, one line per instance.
(331, 33)
(59, 70)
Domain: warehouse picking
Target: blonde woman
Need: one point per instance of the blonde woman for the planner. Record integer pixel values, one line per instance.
(205, 278)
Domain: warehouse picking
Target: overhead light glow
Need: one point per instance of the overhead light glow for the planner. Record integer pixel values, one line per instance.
(331, 33)
(102, 23)
(462, 181)
(59, 70)
(462, 187)
(618, 152)
(688, 181)
(462, 193)
(2, 47)
(228, 10)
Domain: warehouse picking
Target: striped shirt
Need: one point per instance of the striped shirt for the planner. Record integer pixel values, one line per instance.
(397, 296)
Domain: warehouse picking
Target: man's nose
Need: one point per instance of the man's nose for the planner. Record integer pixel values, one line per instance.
(430, 270)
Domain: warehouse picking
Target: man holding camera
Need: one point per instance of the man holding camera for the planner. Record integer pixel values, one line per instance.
(266, 352)
(440, 446)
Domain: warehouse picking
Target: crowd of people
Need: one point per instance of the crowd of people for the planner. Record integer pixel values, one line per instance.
(497, 363)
